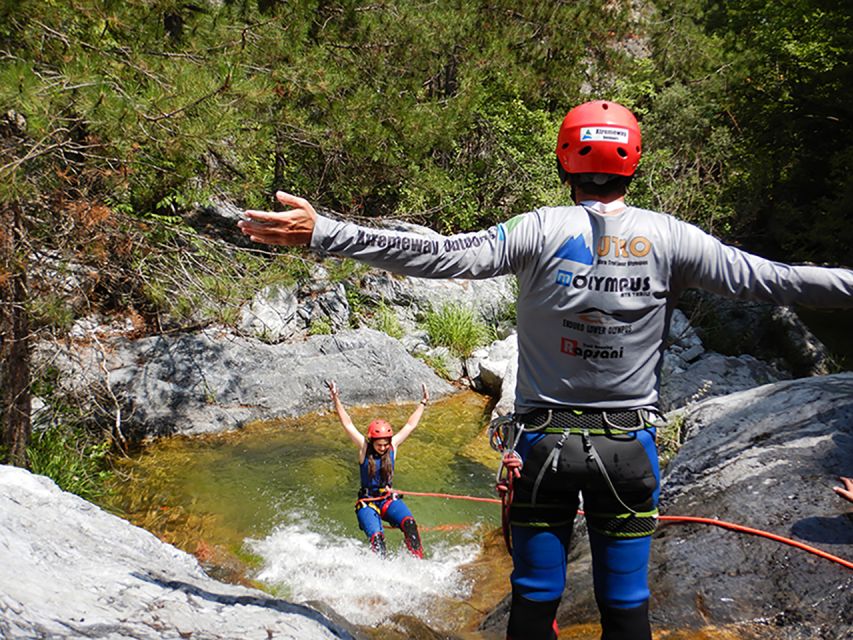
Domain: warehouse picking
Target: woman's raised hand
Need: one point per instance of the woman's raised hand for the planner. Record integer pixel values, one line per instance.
(333, 389)
(291, 228)
(425, 398)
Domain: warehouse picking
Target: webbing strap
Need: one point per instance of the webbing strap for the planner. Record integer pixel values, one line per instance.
(551, 461)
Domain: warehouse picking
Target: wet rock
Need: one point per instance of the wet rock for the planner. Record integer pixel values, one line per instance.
(71, 570)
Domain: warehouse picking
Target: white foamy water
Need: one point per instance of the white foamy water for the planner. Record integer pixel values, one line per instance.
(364, 588)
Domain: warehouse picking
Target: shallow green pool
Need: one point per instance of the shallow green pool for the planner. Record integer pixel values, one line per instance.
(280, 495)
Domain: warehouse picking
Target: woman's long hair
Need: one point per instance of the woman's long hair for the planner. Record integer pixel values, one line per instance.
(386, 468)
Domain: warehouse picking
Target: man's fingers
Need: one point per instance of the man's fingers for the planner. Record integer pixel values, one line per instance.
(276, 237)
(262, 216)
(848, 495)
(291, 200)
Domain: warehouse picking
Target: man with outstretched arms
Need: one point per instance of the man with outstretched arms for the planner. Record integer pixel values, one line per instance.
(598, 282)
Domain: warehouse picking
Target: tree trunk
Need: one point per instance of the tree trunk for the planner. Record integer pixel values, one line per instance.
(15, 346)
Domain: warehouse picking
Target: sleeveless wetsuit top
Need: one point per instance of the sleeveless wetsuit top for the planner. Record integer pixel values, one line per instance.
(374, 484)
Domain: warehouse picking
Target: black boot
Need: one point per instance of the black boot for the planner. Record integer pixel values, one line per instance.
(625, 624)
(377, 544)
(412, 537)
(532, 620)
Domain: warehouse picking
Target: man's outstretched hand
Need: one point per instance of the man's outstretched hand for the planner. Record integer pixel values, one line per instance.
(847, 490)
(291, 228)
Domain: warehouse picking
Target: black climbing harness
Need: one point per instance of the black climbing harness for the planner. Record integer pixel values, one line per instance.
(506, 431)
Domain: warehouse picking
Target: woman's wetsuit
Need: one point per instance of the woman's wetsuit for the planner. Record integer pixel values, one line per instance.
(377, 502)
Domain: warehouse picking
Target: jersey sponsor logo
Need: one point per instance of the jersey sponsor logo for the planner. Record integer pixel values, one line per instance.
(589, 351)
(600, 322)
(468, 241)
(607, 284)
(636, 247)
(575, 249)
(564, 277)
(505, 228)
(604, 134)
(393, 241)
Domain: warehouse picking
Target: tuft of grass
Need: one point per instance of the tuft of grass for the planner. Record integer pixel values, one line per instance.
(437, 363)
(320, 327)
(385, 320)
(456, 327)
(73, 459)
(670, 437)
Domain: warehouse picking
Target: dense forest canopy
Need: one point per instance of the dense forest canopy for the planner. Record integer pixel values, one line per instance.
(119, 118)
(443, 112)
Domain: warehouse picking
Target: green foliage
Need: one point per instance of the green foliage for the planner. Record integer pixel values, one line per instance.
(320, 327)
(771, 82)
(385, 320)
(52, 310)
(357, 304)
(72, 458)
(456, 327)
(345, 269)
(670, 437)
(438, 363)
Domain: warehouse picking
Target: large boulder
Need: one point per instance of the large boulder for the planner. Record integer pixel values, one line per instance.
(770, 333)
(213, 380)
(71, 570)
(766, 458)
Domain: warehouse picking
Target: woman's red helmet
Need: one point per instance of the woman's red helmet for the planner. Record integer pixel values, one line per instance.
(379, 429)
(600, 137)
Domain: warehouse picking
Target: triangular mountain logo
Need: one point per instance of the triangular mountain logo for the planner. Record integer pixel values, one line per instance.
(576, 250)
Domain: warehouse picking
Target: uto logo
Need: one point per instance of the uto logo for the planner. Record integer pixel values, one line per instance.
(637, 247)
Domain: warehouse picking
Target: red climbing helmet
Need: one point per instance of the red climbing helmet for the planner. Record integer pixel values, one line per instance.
(379, 429)
(600, 137)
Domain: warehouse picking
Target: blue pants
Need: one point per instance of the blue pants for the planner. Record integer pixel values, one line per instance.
(620, 541)
(371, 515)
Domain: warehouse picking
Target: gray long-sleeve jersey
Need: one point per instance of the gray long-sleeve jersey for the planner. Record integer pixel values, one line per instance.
(596, 292)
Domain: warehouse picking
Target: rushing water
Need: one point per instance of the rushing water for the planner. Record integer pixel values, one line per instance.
(279, 496)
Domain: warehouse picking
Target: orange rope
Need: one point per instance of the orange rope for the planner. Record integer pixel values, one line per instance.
(447, 495)
(677, 519)
(758, 532)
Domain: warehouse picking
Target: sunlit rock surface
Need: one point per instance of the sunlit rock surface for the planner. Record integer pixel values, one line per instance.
(71, 570)
(213, 380)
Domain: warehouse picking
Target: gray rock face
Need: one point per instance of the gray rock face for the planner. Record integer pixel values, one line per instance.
(490, 298)
(213, 381)
(770, 333)
(271, 315)
(713, 374)
(766, 458)
(71, 570)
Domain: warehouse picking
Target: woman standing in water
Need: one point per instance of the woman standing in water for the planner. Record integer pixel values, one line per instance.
(376, 456)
